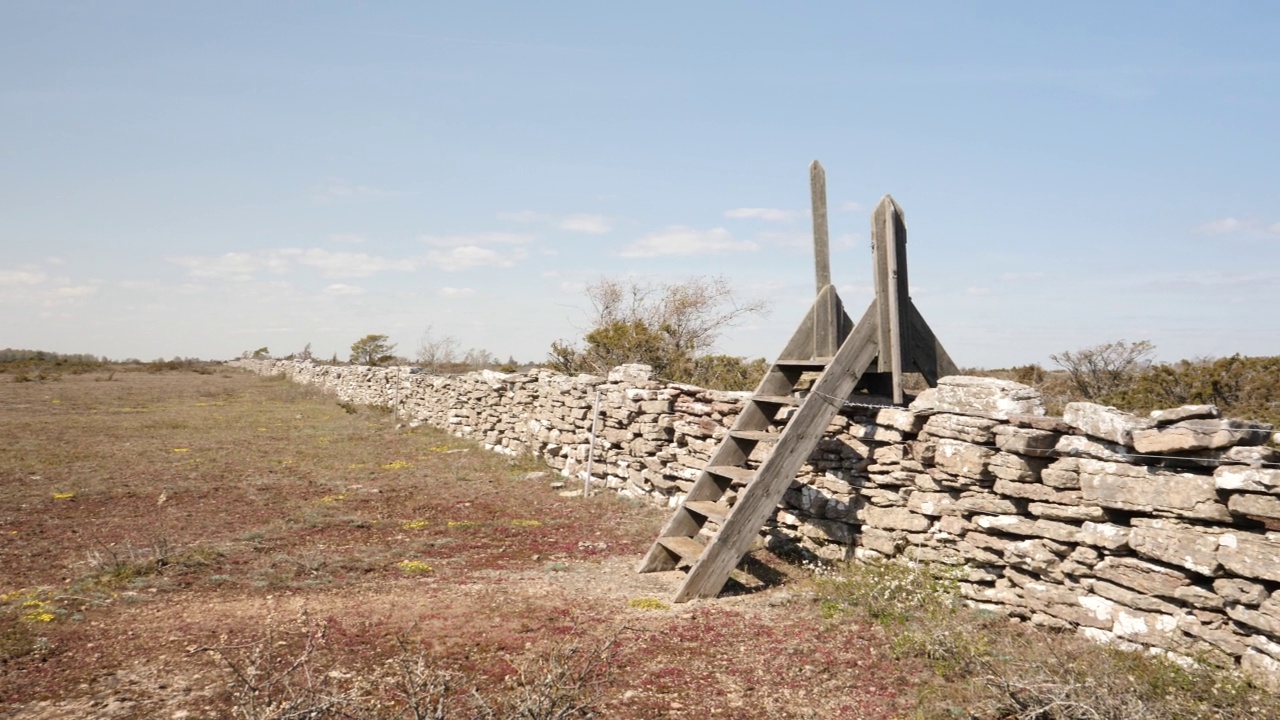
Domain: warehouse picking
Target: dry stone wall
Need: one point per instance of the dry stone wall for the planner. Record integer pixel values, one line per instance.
(1159, 533)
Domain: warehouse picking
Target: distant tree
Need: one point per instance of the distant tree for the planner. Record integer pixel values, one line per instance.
(1103, 370)
(261, 353)
(373, 350)
(437, 354)
(305, 354)
(669, 326)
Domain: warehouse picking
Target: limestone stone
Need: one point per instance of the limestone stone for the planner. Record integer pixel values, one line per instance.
(1262, 669)
(1104, 535)
(1141, 575)
(1017, 525)
(900, 419)
(1186, 412)
(1199, 597)
(1037, 555)
(1265, 622)
(985, 541)
(1176, 544)
(1104, 422)
(1200, 435)
(1036, 491)
(982, 502)
(1143, 489)
(1039, 422)
(1254, 455)
(961, 427)
(828, 531)
(1251, 555)
(1258, 506)
(1008, 466)
(882, 541)
(962, 458)
(893, 518)
(1242, 592)
(1063, 473)
(934, 504)
(981, 397)
(1135, 600)
(1026, 441)
(1083, 447)
(1074, 513)
(1251, 479)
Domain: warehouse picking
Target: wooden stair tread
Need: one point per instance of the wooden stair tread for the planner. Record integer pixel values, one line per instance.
(686, 548)
(732, 472)
(777, 399)
(814, 363)
(757, 435)
(708, 509)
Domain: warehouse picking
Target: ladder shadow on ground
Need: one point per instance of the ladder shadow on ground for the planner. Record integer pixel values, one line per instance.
(752, 576)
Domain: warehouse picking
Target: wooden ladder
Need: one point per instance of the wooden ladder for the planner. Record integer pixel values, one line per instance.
(782, 422)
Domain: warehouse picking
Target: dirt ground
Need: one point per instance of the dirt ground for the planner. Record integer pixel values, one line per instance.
(202, 544)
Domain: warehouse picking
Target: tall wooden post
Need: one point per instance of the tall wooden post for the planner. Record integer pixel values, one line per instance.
(889, 243)
(825, 318)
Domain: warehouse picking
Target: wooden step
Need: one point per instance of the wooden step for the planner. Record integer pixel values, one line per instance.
(687, 548)
(756, 435)
(713, 511)
(812, 363)
(777, 399)
(737, 474)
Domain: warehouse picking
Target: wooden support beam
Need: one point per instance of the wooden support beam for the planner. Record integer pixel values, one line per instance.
(889, 244)
(826, 328)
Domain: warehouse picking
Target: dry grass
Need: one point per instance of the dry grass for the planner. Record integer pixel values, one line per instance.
(161, 512)
(986, 667)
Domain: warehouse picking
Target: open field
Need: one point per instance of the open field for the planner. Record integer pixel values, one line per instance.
(189, 545)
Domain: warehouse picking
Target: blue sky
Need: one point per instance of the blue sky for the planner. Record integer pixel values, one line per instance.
(200, 179)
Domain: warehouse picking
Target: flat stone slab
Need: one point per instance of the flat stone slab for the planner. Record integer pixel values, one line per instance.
(1104, 422)
(1186, 412)
(981, 397)
(1200, 435)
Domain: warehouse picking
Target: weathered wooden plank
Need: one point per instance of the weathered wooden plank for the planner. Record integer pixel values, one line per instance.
(755, 435)
(687, 548)
(733, 472)
(817, 363)
(713, 511)
(777, 399)
(925, 351)
(759, 499)
(821, 241)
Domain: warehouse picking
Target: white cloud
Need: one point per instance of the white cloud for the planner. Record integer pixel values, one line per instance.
(452, 292)
(978, 292)
(21, 277)
(524, 216)
(340, 264)
(579, 222)
(768, 214)
(338, 190)
(477, 239)
(850, 206)
(572, 288)
(71, 291)
(1274, 229)
(680, 241)
(591, 224)
(234, 265)
(471, 256)
(341, 290)
(242, 266)
(1224, 226)
(1020, 277)
(346, 239)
